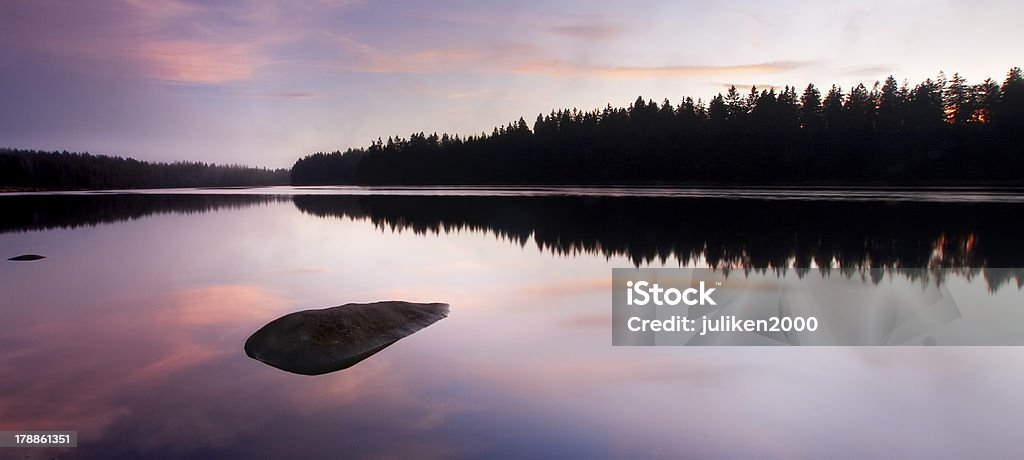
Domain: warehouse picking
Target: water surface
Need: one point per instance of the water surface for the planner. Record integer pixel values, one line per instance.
(131, 330)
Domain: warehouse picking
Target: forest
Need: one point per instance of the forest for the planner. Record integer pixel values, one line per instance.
(940, 131)
(38, 170)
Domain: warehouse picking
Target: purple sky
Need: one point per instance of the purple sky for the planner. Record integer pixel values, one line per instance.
(267, 81)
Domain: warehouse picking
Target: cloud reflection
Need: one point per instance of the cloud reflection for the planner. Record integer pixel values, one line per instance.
(106, 350)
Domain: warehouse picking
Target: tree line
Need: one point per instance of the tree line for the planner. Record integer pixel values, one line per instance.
(41, 170)
(942, 130)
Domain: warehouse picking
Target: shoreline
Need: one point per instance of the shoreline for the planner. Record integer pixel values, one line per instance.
(933, 187)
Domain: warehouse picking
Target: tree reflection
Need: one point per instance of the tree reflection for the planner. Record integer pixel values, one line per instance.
(725, 234)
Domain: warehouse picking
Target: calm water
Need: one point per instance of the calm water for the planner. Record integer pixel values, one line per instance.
(131, 330)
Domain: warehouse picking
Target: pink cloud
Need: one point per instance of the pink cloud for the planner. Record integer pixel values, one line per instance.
(357, 56)
(523, 58)
(560, 68)
(200, 62)
(170, 41)
(587, 31)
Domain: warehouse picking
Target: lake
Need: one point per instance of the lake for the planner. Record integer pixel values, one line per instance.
(131, 330)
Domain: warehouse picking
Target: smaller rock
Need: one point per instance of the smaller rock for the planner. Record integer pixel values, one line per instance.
(27, 257)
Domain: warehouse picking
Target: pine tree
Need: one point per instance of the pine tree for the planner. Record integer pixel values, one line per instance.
(810, 108)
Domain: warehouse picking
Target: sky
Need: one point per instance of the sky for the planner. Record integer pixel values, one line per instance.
(265, 82)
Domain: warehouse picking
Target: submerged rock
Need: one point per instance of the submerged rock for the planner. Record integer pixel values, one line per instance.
(27, 257)
(313, 342)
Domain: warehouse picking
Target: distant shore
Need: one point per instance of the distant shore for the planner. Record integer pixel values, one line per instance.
(1017, 187)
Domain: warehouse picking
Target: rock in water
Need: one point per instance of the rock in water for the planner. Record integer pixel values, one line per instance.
(27, 257)
(314, 342)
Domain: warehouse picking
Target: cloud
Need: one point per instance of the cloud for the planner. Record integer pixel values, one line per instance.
(561, 68)
(199, 62)
(297, 95)
(469, 94)
(217, 44)
(521, 58)
(170, 41)
(352, 55)
(587, 31)
(873, 71)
